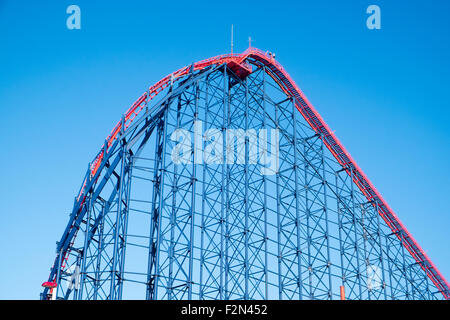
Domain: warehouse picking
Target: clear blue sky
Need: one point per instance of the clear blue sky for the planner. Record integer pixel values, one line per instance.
(385, 93)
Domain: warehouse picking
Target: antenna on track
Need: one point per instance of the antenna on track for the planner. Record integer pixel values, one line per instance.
(249, 42)
(231, 38)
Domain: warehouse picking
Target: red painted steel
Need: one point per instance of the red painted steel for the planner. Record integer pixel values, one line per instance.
(342, 291)
(49, 284)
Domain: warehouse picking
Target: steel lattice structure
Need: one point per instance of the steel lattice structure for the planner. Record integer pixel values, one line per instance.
(145, 227)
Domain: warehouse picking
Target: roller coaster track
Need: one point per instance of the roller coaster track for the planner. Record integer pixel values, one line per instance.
(277, 72)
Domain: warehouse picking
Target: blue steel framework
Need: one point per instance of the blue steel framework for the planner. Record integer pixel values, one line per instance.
(152, 229)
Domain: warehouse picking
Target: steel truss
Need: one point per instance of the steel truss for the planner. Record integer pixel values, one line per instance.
(150, 228)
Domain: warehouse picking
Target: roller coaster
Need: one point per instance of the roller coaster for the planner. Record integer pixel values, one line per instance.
(144, 226)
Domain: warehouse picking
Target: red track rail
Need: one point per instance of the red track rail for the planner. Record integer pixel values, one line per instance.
(314, 119)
